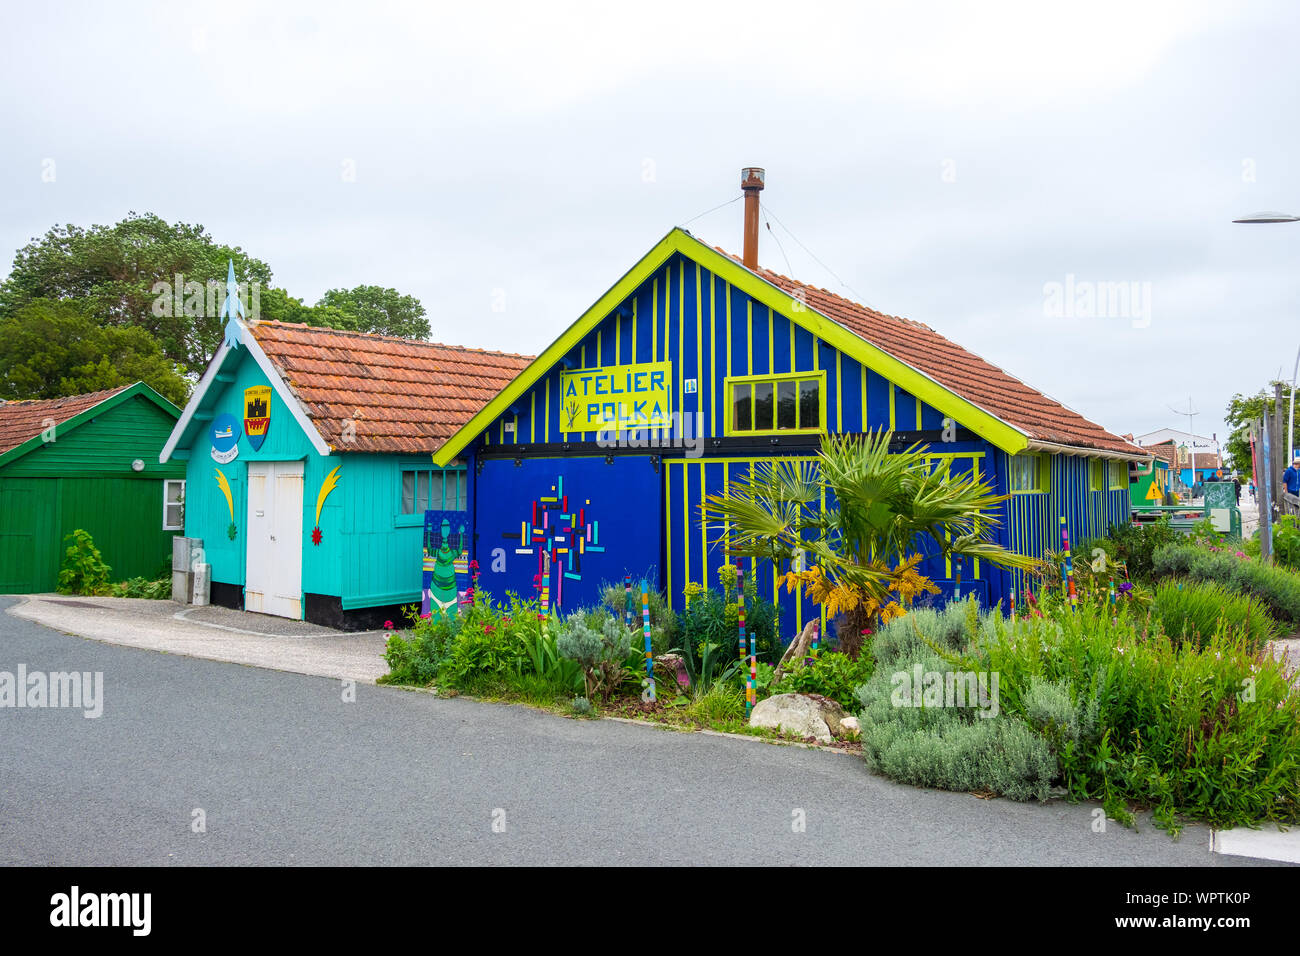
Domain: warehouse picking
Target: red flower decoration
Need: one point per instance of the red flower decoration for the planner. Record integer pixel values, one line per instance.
(315, 535)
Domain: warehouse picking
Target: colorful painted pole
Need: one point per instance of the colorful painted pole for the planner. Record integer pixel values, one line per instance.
(817, 633)
(957, 594)
(1069, 566)
(627, 595)
(1013, 605)
(649, 695)
(740, 608)
(544, 612)
(751, 694)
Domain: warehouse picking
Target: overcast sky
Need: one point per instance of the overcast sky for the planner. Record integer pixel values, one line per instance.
(945, 162)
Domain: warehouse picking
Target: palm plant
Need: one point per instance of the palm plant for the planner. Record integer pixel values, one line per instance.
(865, 517)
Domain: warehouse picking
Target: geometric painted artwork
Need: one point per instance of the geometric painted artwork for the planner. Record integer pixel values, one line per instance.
(560, 536)
(445, 562)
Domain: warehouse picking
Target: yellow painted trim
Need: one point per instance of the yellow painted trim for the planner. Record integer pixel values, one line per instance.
(699, 349)
(547, 426)
(713, 352)
(686, 521)
(634, 331)
(791, 361)
(654, 320)
(726, 522)
(731, 381)
(618, 340)
(704, 535)
(1003, 435)
(681, 334)
(893, 426)
(749, 335)
(728, 287)
(918, 414)
(839, 393)
(1044, 476)
(327, 486)
(532, 417)
(771, 342)
(865, 418)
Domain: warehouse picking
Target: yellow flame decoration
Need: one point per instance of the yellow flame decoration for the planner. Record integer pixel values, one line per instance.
(225, 489)
(326, 487)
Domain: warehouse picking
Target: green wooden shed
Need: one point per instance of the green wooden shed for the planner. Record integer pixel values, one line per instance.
(87, 461)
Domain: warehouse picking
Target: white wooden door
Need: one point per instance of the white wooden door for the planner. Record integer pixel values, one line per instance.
(273, 576)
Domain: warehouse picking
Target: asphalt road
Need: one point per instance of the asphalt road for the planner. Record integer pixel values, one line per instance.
(286, 772)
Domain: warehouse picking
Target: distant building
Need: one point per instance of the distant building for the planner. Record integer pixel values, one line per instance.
(1191, 458)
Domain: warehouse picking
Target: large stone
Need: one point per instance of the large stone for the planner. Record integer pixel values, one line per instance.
(800, 715)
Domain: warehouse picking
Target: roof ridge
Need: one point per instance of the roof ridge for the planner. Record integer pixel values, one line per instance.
(386, 338)
(29, 402)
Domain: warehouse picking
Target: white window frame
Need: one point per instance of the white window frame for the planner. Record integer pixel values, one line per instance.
(167, 483)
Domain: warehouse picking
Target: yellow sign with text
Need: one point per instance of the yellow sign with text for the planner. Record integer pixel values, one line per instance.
(616, 397)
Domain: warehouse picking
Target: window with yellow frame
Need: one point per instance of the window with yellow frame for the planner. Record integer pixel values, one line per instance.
(1119, 476)
(1097, 475)
(1029, 474)
(776, 404)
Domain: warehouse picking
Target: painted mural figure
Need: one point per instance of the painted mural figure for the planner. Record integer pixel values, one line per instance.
(443, 552)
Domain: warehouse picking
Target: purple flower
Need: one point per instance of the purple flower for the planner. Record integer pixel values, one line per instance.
(1126, 587)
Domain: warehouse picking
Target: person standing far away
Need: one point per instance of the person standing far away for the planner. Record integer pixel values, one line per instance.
(1291, 477)
(1236, 487)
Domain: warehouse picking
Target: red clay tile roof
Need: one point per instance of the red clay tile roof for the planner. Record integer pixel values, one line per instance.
(1168, 451)
(405, 396)
(965, 373)
(20, 421)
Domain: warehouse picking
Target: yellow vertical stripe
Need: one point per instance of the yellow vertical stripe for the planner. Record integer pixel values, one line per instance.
(790, 367)
(866, 420)
(633, 359)
(668, 526)
(618, 339)
(600, 359)
(654, 320)
(699, 348)
(704, 534)
(918, 414)
(817, 355)
(668, 309)
(771, 342)
(726, 522)
(975, 469)
(681, 336)
(839, 394)
(749, 334)
(532, 417)
(546, 427)
(892, 425)
(713, 352)
(686, 522)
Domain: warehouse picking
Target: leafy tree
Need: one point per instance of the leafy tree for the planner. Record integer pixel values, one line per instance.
(51, 349)
(1242, 411)
(370, 308)
(116, 272)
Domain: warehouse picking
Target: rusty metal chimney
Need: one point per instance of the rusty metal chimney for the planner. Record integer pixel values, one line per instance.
(751, 183)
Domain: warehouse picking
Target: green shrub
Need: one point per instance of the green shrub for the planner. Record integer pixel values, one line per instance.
(712, 617)
(948, 747)
(83, 570)
(720, 702)
(413, 657)
(602, 651)
(1277, 588)
(832, 675)
(918, 631)
(155, 590)
(663, 620)
(1210, 732)
(1286, 542)
(1191, 610)
(1136, 544)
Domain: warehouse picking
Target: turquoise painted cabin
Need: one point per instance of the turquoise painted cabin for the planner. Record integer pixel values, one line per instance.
(319, 514)
(733, 365)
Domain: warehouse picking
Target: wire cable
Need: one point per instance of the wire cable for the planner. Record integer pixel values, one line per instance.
(858, 295)
(714, 209)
